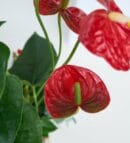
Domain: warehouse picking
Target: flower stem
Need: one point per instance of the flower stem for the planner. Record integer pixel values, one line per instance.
(35, 98)
(59, 52)
(38, 93)
(41, 89)
(40, 101)
(60, 36)
(36, 3)
(72, 52)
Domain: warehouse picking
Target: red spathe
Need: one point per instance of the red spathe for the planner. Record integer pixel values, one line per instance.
(60, 95)
(107, 38)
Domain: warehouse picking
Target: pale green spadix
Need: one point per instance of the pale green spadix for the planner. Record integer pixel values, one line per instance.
(77, 93)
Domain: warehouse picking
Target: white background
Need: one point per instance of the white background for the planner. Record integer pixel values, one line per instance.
(109, 126)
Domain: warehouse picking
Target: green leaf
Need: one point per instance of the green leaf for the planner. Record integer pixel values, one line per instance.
(2, 22)
(35, 63)
(47, 126)
(30, 130)
(11, 105)
(4, 55)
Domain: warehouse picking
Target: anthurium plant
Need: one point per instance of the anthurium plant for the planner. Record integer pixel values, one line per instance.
(34, 92)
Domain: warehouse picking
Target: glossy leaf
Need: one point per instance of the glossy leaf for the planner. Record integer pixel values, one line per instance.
(4, 55)
(35, 62)
(10, 110)
(47, 126)
(30, 129)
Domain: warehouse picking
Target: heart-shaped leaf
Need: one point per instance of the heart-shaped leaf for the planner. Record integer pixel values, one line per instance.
(11, 105)
(35, 62)
(30, 130)
(4, 55)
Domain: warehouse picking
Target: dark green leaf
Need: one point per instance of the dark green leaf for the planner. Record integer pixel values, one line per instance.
(42, 109)
(2, 22)
(4, 55)
(47, 126)
(10, 110)
(35, 63)
(30, 130)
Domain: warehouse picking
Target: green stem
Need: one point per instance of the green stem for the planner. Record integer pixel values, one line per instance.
(38, 93)
(77, 92)
(35, 98)
(72, 52)
(40, 101)
(41, 89)
(44, 30)
(59, 52)
(60, 36)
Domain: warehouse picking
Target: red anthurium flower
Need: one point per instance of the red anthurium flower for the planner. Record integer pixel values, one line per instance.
(71, 87)
(110, 5)
(73, 16)
(49, 7)
(107, 34)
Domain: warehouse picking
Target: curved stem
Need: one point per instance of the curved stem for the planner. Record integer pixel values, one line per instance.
(59, 52)
(60, 36)
(72, 52)
(40, 101)
(38, 93)
(41, 89)
(36, 3)
(35, 98)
